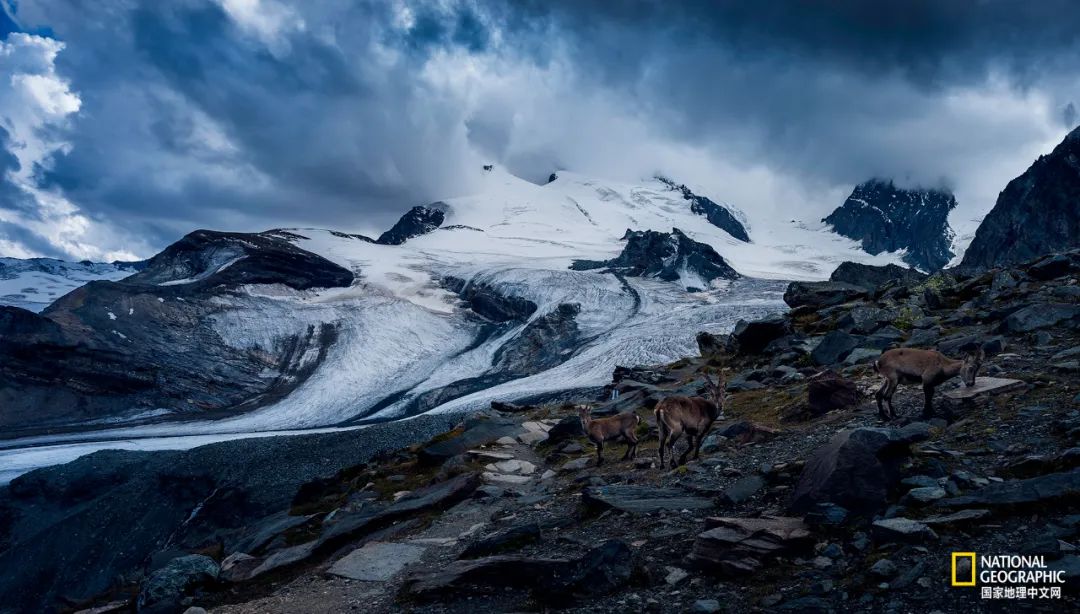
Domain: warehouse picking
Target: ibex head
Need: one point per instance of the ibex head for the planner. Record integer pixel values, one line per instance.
(717, 390)
(972, 363)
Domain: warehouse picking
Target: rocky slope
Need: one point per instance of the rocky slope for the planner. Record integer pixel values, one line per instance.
(146, 347)
(802, 502)
(886, 218)
(1036, 213)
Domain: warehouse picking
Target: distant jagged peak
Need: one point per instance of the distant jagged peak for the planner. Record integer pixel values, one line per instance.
(885, 217)
(718, 215)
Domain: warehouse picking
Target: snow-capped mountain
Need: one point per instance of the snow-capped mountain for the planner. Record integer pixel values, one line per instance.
(887, 218)
(33, 283)
(227, 334)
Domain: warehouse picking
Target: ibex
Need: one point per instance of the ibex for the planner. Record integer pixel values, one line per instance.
(927, 367)
(599, 430)
(691, 415)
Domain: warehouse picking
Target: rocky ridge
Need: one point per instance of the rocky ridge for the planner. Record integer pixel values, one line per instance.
(1036, 213)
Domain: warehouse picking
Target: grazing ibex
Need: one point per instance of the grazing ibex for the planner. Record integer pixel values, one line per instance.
(618, 426)
(927, 367)
(691, 415)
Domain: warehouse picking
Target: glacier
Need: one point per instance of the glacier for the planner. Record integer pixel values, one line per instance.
(403, 336)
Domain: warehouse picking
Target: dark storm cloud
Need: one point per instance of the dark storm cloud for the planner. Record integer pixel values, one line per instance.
(203, 113)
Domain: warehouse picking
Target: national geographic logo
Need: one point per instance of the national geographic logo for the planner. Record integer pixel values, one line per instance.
(1007, 576)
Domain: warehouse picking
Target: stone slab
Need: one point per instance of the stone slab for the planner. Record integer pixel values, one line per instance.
(377, 561)
(983, 385)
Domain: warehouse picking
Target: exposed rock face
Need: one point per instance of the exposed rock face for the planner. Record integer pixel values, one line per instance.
(420, 220)
(207, 258)
(1037, 213)
(886, 218)
(871, 277)
(717, 215)
(666, 256)
(149, 342)
(488, 302)
(829, 391)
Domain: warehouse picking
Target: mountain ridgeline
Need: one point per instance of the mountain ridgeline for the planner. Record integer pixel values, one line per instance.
(1037, 213)
(717, 215)
(886, 218)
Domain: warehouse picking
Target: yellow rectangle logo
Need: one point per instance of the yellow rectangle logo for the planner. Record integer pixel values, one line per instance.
(963, 555)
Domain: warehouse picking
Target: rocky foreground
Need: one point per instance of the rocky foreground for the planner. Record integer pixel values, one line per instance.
(803, 501)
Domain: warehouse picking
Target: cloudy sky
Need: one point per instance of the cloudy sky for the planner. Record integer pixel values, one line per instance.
(127, 123)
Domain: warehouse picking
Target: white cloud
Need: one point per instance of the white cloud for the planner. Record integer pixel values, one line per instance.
(35, 106)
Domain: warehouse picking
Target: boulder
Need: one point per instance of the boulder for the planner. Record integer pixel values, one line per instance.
(828, 391)
(635, 499)
(746, 432)
(1033, 492)
(1054, 266)
(871, 277)
(752, 337)
(565, 429)
(1035, 317)
(510, 539)
(553, 581)
(833, 348)
(165, 589)
(735, 546)
(818, 294)
(857, 469)
(709, 344)
(864, 320)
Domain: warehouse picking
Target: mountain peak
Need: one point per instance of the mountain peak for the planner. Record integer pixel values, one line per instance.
(887, 218)
(1037, 213)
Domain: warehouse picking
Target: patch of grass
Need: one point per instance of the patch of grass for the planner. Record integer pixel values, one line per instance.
(765, 406)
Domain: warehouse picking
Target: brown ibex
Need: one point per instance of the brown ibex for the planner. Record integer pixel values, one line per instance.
(691, 415)
(927, 367)
(599, 430)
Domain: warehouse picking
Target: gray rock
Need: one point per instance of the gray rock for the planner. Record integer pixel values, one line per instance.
(166, 587)
(743, 489)
(706, 606)
(376, 561)
(856, 469)
(902, 530)
(820, 294)
(884, 569)
(1039, 490)
(923, 495)
(1034, 317)
(860, 356)
(833, 348)
(642, 499)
